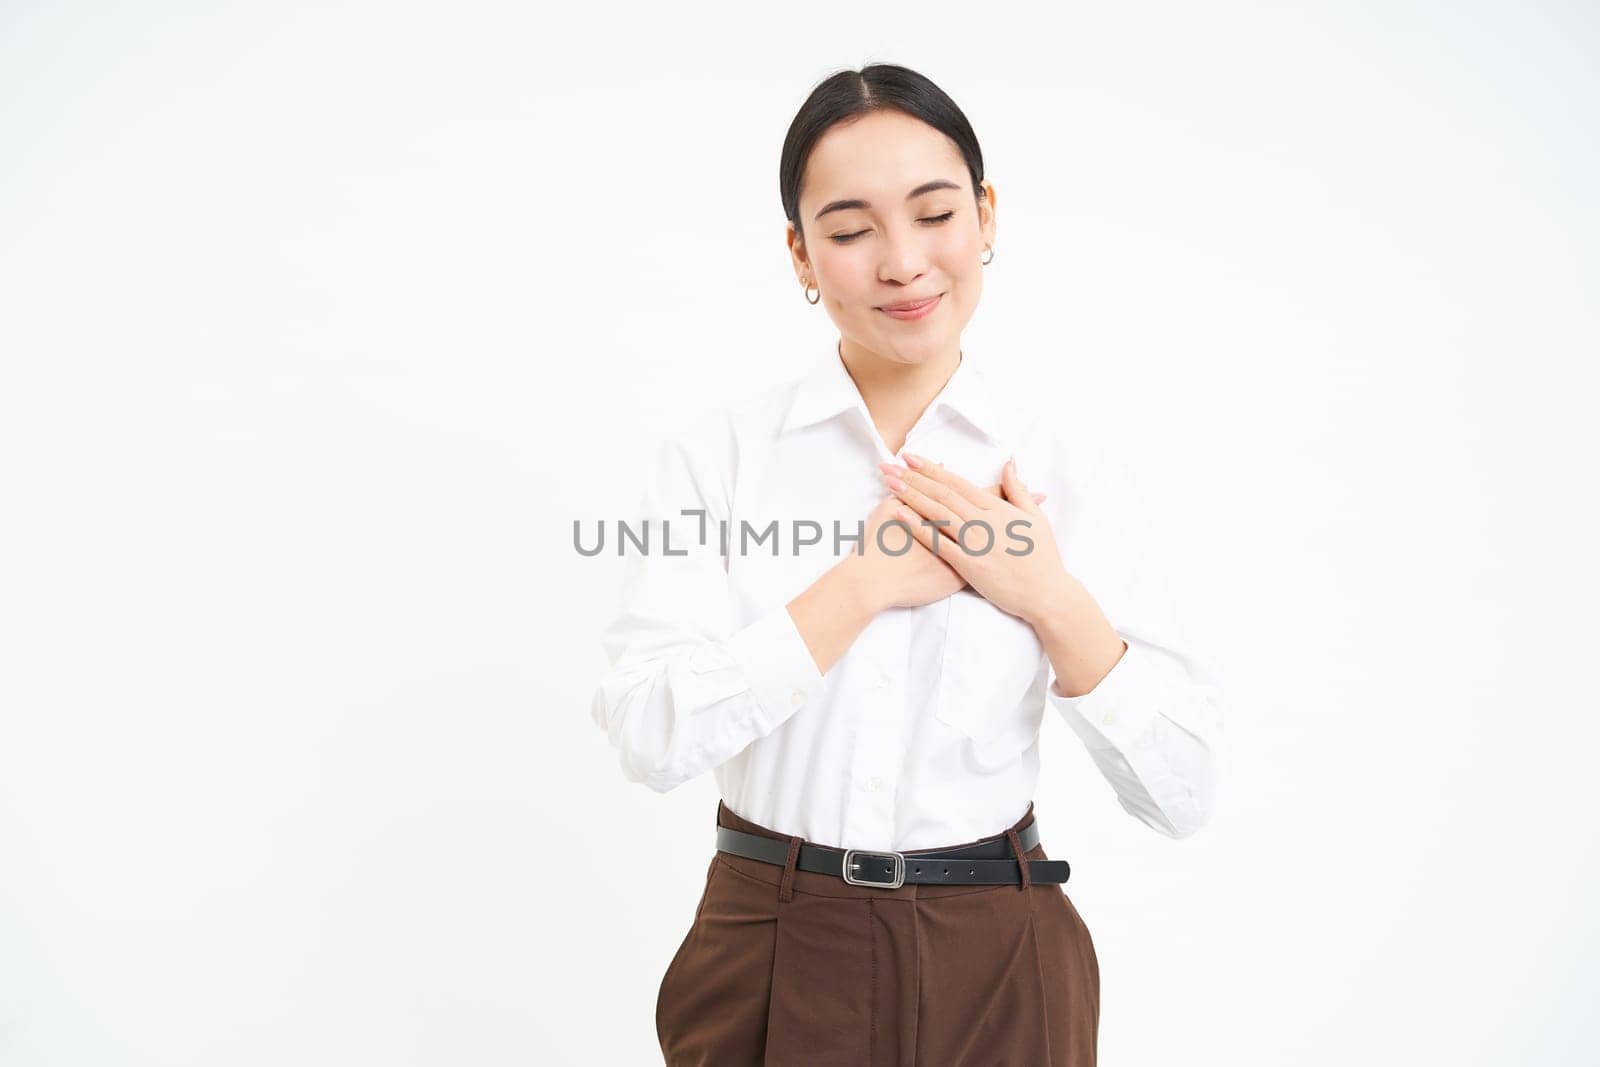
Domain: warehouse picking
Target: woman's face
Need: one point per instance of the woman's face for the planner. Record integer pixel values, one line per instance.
(888, 216)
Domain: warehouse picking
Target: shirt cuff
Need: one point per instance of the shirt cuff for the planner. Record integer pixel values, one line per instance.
(777, 664)
(1123, 707)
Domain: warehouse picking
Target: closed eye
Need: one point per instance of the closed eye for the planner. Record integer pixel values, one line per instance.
(846, 238)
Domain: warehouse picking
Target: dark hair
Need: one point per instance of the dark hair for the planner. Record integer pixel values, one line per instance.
(849, 94)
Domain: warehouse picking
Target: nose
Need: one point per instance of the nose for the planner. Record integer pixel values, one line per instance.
(904, 258)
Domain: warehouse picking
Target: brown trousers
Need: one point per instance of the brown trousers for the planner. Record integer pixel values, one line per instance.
(784, 966)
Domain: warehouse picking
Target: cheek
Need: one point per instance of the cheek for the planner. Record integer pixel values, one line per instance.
(962, 243)
(960, 261)
(849, 277)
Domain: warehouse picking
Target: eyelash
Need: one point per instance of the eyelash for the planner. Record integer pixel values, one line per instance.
(846, 238)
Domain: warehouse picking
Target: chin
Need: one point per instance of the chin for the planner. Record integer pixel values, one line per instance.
(917, 349)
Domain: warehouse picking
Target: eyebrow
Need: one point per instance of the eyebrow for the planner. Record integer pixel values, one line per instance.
(852, 205)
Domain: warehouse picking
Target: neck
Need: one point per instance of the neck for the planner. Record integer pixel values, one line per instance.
(897, 392)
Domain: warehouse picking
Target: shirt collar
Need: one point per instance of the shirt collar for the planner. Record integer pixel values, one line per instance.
(827, 389)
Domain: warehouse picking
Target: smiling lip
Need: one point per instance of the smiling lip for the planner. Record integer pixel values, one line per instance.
(913, 310)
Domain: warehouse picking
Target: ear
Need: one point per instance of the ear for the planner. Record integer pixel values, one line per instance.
(986, 206)
(797, 250)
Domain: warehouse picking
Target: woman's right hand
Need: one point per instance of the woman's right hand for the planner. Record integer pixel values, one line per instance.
(912, 578)
(832, 611)
(915, 576)
(907, 580)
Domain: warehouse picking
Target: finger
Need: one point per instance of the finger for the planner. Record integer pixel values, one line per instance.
(925, 535)
(931, 520)
(926, 507)
(1016, 491)
(945, 476)
(998, 490)
(901, 514)
(953, 499)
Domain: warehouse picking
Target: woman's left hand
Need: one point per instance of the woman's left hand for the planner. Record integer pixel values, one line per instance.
(1002, 566)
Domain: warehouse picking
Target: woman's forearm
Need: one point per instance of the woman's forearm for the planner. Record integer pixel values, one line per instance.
(833, 611)
(1079, 639)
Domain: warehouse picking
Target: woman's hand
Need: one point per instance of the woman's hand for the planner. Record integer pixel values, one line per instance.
(907, 580)
(1023, 579)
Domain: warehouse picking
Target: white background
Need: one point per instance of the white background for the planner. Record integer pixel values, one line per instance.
(319, 326)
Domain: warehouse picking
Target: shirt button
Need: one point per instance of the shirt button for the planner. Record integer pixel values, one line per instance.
(873, 784)
(797, 698)
(883, 681)
(1109, 717)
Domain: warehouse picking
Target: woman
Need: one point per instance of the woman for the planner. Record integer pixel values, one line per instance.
(854, 613)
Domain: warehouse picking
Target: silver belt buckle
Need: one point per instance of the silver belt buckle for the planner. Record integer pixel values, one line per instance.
(850, 865)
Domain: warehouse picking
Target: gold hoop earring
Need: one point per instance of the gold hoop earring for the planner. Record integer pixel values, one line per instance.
(808, 293)
(990, 260)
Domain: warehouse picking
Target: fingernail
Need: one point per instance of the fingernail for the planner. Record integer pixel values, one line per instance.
(912, 459)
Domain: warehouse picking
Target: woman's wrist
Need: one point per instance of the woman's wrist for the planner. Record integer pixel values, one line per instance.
(1054, 607)
(863, 594)
(1079, 640)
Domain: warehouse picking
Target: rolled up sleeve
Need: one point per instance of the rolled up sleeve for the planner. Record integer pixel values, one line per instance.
(686, 689)
(1153, 725)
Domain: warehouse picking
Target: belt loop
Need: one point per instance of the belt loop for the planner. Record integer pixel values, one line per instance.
(786, 883)
(1022, 858)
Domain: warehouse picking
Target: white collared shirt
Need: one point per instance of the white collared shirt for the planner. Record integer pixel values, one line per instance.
(925, 732)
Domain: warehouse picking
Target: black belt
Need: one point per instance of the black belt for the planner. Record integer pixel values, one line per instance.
(985, 863)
